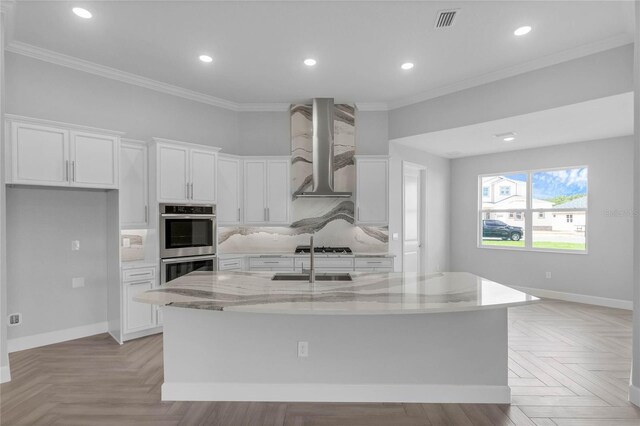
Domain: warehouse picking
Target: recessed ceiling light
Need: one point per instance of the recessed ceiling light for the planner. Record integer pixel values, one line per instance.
(205, 58)
(83, 13)
(310, 62)
(407, 66)
(509, 138)
(522, 30)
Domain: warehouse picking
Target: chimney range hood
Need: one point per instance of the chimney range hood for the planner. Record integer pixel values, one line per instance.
(323, 151)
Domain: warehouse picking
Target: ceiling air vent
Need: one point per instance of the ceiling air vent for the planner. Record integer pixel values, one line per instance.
(445, 18)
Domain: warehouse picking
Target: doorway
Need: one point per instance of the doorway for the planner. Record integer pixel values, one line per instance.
(413, 217)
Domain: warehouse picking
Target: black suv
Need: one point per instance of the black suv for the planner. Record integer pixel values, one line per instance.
(499, 229)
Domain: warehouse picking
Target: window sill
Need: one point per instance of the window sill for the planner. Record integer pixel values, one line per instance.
(525, 249)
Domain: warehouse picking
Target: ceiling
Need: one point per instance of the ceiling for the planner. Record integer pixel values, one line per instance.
(596, 119)
(258, 48)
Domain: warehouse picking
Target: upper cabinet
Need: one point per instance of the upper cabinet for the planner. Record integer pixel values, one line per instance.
(55, 154)
(134, 204)
(229, 190)
(185, 173)
(267, 195)
(372, 190)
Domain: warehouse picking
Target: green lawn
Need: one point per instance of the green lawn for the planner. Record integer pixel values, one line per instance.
(537, 244)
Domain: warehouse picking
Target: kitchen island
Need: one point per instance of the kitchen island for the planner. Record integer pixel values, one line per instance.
(382, 337)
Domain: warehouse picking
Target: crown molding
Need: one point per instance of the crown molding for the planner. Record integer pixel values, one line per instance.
(6, 6)
(372, 106)
(115, 74)
(536, 64)
(260, 107)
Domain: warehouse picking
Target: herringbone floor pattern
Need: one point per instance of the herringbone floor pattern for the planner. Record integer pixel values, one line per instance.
(569, 366)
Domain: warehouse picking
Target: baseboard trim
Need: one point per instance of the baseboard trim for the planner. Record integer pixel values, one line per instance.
(578, 298)
(323, 392)
(5, 374)
(49, 338)
(634, 395)
(139, 334)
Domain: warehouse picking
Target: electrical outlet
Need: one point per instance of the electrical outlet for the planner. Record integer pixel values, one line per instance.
(77, 282)
(75, 245)
(395, 236)
(303, 349)
(548, 275)
(15, 319)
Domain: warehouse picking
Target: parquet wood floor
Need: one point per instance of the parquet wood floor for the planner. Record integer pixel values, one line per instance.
(568, 366)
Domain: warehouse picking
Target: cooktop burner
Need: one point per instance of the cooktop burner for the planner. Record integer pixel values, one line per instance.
(327, 250)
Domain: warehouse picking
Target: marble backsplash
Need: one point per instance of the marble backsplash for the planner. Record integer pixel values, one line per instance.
(329, 220)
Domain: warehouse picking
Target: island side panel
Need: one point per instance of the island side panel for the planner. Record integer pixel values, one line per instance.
(437, 357)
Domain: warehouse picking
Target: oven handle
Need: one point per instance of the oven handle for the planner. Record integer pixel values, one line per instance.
(187, 259)
(181, 216)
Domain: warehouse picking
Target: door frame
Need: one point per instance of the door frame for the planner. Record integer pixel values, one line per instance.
(422, 170)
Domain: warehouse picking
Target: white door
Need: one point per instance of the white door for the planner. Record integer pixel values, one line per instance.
(278, 193)
(94, 160)
(138, 316)
(255, 173)
(39, 155)
(413, 218)
(371, 191)
(228, 209)
(172, 173)
(133, 186)
(203, 176)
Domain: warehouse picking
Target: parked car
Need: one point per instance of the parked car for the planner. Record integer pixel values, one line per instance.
(499, 229)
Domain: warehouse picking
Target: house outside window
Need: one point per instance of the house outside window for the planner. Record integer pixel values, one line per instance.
(485, 191)
(520, 221)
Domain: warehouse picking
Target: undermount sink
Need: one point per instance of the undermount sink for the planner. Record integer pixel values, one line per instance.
(320, 276)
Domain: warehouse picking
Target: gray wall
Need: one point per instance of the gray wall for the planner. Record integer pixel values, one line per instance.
(43, 222)
(372, 132)
(607, 269)
(590, 77)
(437, 205)
(42, 90)
(264, 133)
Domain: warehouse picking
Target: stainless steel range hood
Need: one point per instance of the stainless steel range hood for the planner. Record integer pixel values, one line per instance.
(323, 151)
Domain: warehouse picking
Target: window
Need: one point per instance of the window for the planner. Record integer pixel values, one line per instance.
(524, 222)
(485, 191)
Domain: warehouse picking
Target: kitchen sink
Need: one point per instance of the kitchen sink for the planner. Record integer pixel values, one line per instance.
(320, 276)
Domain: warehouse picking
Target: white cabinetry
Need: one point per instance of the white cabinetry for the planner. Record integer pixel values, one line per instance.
(47, 153)
(267, 196)
(372, 190)
(185, 173)
(229, 190)
(267, 263)
(325, 264)
(374, 264)
(231, 264)
(138, 317)
(134, 205)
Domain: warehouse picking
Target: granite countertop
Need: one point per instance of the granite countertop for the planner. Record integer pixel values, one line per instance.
(368, 293)
(289, 254)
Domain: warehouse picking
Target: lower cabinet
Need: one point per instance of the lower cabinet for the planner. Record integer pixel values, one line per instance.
(138, 317)
(231, 264)
(374, 264)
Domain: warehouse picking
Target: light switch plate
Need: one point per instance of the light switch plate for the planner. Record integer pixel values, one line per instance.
(75, 245)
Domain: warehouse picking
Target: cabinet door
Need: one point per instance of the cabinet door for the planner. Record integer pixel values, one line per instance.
(255, 211)
(172, 173)
(372, 192)
(138, 316)
(278, 193)
(94, 160)
(203, 176)
(40, 155)
(133, 186)
(228, 208)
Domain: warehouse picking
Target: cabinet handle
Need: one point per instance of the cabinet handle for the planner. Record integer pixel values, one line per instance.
(66, 170)
(271, 262)
(238, 214)
(268, 215)
(138, 274)
(358, 213)
(192, 190)
(264, 214)
(73, 169)
(373, 262)
(146, 213)
(187, 184)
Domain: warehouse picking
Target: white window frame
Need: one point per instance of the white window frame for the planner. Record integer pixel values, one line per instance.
(529, 212)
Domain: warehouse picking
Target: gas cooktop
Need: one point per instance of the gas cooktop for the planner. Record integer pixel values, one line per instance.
(326, 250)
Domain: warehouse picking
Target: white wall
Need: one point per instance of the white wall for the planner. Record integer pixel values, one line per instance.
(590, 77)
(372, 132)
(43, 90)
(607, 269)
(43, 222)
(4, 358)
(437, 205)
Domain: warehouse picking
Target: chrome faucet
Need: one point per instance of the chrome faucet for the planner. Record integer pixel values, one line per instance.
(312, 268)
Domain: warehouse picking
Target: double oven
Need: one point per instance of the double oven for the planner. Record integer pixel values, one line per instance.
(188, 237)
